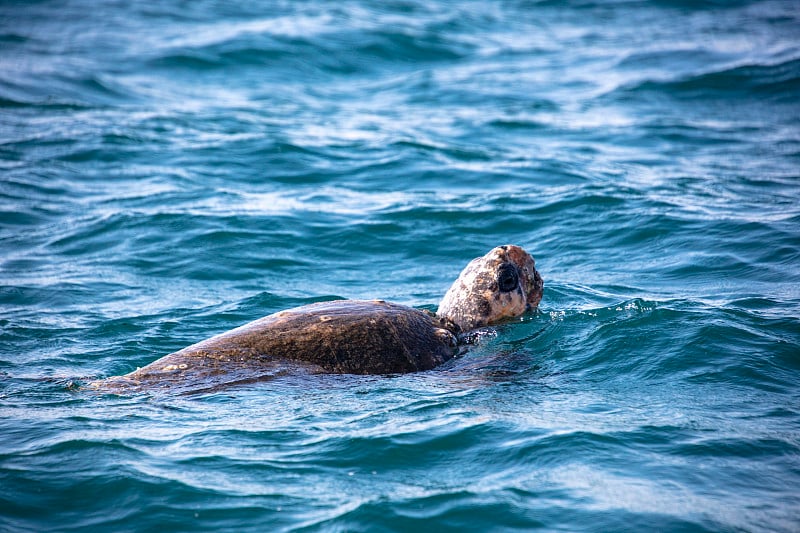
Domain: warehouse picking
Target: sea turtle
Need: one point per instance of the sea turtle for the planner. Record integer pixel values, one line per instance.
(356, 336)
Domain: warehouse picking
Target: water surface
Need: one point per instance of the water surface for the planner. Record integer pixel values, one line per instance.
(171, 171)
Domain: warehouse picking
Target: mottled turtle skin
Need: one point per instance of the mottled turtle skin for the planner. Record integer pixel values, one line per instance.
(355, 336)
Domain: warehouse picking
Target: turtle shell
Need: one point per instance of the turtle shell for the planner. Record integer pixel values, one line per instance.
(343, 336)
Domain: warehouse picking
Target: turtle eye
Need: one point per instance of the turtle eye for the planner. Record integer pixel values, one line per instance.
(507, 278)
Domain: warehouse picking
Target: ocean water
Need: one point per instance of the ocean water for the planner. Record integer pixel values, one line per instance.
(171, 170)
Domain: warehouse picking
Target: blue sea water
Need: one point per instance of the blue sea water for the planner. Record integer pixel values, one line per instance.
(171, 170)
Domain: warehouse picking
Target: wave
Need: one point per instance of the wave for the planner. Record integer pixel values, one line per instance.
(361, 52)
(778, 82)
(63, 92)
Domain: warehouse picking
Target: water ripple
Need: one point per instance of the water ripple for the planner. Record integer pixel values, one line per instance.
(170, 172)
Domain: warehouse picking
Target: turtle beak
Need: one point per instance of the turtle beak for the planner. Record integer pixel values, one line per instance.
(534, 293)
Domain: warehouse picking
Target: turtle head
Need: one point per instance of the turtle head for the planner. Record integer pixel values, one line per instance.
(502, 284)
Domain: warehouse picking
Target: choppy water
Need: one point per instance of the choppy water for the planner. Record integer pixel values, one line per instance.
(170, 170)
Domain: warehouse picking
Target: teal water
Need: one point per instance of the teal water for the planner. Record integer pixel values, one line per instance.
(171, 170)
